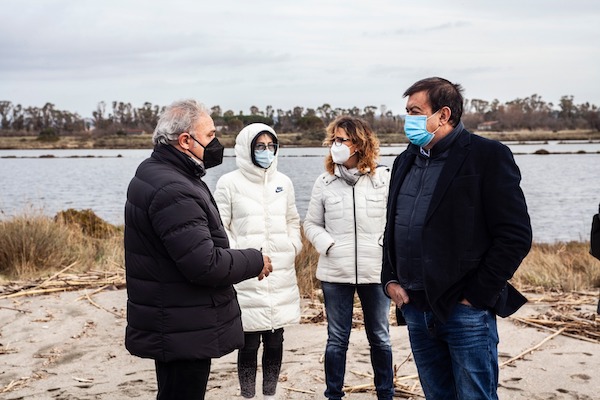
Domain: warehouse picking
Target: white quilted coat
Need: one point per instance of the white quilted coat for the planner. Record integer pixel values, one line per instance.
(345, 224)
(258, 209)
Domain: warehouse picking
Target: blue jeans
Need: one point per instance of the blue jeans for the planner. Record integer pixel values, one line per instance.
(457, 359)
(339, 300)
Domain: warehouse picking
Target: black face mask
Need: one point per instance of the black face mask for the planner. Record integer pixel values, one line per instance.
(213, 153)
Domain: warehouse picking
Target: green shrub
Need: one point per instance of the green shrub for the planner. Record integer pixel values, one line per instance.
(48, 135)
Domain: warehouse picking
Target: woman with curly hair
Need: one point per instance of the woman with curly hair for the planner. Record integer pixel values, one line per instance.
(345, 222)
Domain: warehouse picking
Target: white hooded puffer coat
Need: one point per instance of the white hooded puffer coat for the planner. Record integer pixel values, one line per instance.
(345, 224)
(258, 210)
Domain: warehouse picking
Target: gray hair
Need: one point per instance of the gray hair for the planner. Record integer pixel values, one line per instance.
(179, 117)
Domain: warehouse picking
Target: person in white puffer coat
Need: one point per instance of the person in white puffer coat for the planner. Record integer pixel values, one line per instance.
(258, 208)
(345, 222)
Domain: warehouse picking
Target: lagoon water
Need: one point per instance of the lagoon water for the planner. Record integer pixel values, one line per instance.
(562, 190)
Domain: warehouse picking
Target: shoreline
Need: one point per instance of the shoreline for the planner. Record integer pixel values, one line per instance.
(85, 140)
(539, 151)
(296, 156)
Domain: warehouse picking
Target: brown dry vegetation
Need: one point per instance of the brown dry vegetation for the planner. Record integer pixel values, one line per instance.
(77, 142)
(564, 267)
(144, 141)
(33, 246)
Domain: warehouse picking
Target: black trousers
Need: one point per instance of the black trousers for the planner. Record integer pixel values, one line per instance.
(182, 380)
(271, 361)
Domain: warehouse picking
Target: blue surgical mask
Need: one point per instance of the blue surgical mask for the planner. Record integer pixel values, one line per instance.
(264, 158)
(415, 128)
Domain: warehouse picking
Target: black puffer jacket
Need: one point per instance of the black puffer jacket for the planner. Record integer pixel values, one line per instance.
(180, 271)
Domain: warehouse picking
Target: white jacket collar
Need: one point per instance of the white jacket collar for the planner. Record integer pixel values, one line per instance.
(376, 179)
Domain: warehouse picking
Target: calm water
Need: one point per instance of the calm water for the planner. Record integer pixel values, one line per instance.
(562, 190)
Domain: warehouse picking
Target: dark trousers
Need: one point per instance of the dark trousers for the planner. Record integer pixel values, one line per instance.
(271, 361)
(182, 380)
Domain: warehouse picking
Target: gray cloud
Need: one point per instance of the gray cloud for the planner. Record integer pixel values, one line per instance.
(75, 53)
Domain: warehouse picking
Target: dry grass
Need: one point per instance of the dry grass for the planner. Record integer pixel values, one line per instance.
(561, 266)
(87, 141)
(306, 268)
(33, 246)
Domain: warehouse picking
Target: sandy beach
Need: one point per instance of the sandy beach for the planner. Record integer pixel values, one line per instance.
(70, 346)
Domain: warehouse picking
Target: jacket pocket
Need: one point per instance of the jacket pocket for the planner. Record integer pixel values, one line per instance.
(375, 206)
(334, 208)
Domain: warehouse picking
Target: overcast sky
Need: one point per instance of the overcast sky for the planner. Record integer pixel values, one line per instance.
(236, 54)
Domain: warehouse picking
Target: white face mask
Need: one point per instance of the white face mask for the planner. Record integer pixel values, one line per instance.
(340, 154)
(264, 158)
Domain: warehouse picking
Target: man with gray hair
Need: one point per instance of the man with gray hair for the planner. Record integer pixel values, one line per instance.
(182, 309)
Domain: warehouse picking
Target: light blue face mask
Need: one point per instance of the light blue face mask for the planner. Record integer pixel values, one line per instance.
(264, 158)
(415, 128)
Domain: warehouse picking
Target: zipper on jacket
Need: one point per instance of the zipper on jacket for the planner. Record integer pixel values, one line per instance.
(421, 184)
(265, 190)
(355, 236)
(265, 202)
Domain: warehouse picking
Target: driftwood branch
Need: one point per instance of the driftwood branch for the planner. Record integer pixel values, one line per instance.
(87, 295)
(68, 267)
(62, 282)
(32, 292)
(406, 359)
(291, 389)
(15, 309)
(102, 308)
(531, 322)
(530, 350)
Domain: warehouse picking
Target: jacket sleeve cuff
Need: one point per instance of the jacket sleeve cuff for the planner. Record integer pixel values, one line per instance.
(385, 288)
(474, 296)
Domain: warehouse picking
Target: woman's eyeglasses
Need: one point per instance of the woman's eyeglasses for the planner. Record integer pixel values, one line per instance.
(262, 146)
(338, 141)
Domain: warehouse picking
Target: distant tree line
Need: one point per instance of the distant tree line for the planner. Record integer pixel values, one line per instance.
(530, 113)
